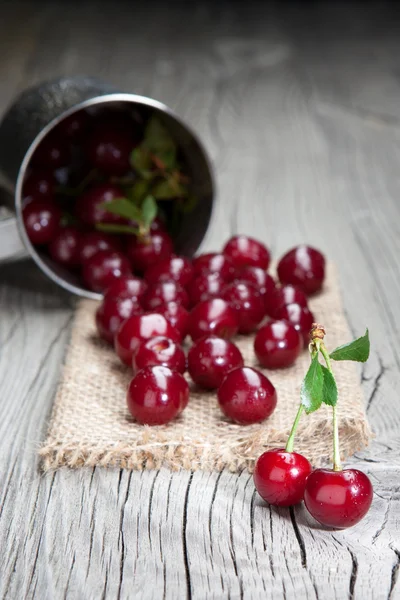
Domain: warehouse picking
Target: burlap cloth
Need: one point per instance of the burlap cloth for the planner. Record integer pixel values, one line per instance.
(90, 424)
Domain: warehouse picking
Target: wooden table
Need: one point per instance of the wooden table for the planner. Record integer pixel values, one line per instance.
(299, 107)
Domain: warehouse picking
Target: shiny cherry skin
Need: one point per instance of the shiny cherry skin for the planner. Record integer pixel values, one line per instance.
(246, 396)
(280, 477)
(177, 315)
(41, 220)
(93, 241)
(300, 317)
(159, 350)
(156, 395)
(112, 312)
(39, 185)
(264, 283)
(175, 268)
(144, 253)
(162, 292)
(139, 328)
(204, 287)
(64, 247)
(87, 208)
(282, 296)
(99, 271)
(108, 150)
(52, 153)
(214, 263)
(247, 302)
(277, 345)
(210, 359)
(127, 286)
(303, 267)
(75, 126)
(246, 251)
(338, 499)
(213, 317)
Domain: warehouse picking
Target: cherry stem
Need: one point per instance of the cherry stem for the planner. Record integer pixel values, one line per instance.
(337, 464)
(290, 442)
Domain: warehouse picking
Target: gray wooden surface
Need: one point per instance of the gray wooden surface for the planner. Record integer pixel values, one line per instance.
(299, 107)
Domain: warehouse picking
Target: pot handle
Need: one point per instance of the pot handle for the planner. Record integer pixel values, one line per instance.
(11, 245)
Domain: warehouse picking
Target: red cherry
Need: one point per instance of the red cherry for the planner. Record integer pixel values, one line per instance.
(64, 247)
(204, 287)
(303, 267)
(112, 312)
(127, 287)
(41, 221)
(88, 209)
(338, 498)
(277, 344)
(247, 302)
(159, 350)
(300, 317)
(282, 296)
(210, 359)
(260, 278)
(39, 184)
(214, 263)
(213, 317)
(163, 292)
(156, 395)
(93, 241)
(138, 329)
(143, 254)
(247, 396)
(280, 477)
(52, 153)
(177, 316)
(74, 126)
(109, 150)
(246, 251)
(176, 268)
(100, 270)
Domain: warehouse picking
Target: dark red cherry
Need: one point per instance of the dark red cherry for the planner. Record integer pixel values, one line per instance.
(100, 270)
(64, 247)
(177, 315)
(300, 317)
(176, 268)
(162, 292)
(127, 287)
(246, 251)
(280, 477)
(137, 329)
(213, 317)
(260, 278)
(42, 221)
(214, 263)
(338, 499)
(145, 253)
(247, 396)
(282, 296)
(109, 150)
(303, 267)
(88, 210)
(204, 287)
(156, 395)
(75, 126)
(112, 312)
(93, 241)
(277, 344)
(247, 302)
(39, 185)
(52, 153)
(159, 350)
(210, 359)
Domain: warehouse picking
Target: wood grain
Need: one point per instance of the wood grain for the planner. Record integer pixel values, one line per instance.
(298, 105)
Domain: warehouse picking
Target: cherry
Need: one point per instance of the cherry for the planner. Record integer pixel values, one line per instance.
(52, 153)
(93, 241)
(41, 220)
(338, 498)
(127, 287)
(112, 312)
(74, 126)
(247, 396)
(163, 292)
(144, 253)
(260, 278)
(300, 317)
(247, 302)
(176, 268)
(156, 395)
(64, 247)
(210, 359)
(39, 184)
(138, 329)
(177, 316)
(159, 350)
(277, 344)
(109, 150)
(280, 477)
(303, 267)
(282, 296)
(204, 287)
(213, 316)
(88, 209)
(246, 251)
(214, 263)
(100, 270)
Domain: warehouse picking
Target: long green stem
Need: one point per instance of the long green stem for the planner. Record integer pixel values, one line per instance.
(337, 464)
(290, 442)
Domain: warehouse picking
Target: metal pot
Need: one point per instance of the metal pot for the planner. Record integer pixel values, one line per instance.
(41, 108)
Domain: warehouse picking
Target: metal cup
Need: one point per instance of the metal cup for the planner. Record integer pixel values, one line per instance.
(36, 112)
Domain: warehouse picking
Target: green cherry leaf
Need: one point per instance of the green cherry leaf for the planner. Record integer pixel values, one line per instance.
(311, 393)
(138, 191)
(329, 392)
(140, 160)
(123, 208)
(357, 350)
(115, 228)
(149, 211)
(168, 189)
